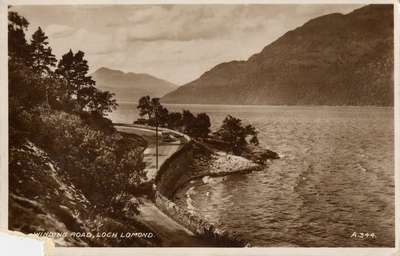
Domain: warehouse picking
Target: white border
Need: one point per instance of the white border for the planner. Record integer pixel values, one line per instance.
(165, 251)
(397, 120)
(3, 117)
(150, 2)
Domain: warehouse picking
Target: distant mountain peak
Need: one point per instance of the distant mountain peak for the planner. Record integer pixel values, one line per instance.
(130, 86)
(107, 70)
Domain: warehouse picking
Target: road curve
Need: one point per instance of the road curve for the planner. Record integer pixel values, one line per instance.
(171, 233)
(165, 149)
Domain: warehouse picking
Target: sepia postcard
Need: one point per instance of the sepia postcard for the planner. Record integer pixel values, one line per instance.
(201, 127)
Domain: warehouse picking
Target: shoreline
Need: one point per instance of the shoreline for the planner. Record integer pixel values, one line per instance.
(264, 106)
(173, 173)
(189, 161)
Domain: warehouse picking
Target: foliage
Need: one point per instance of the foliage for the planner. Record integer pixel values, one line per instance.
(42, 57)
(105, 167)
(156, 113)
(195, 126)
(17, 45)
(188, 120)
(61, 110)
(174, 120)
(236, 135)
(34, 84)
(80, 88)
(145, 107)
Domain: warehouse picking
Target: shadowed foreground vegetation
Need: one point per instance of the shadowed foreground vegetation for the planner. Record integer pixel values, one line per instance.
(70, 171)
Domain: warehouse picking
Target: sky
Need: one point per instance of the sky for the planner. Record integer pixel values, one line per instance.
(177, 43)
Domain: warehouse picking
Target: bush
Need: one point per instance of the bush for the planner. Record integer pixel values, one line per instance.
(106, 167)
(236, 135)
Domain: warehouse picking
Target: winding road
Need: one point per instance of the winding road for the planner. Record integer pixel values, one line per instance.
(171, 233)
(165, 149)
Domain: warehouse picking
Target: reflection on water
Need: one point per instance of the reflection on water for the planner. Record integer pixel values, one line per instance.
(336, 177)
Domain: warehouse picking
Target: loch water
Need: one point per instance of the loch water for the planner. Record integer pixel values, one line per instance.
(335, 177)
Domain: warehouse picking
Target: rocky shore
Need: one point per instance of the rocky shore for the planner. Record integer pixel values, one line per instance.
(222, 163)
(196, 160)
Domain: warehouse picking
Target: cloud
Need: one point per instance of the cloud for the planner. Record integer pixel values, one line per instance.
(178, 24)
(196, 22)
(91, 42)
(59, 31)
(174, 42)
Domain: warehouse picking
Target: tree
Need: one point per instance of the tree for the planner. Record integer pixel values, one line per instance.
(80, 89)
(25, 87)
(187, 120)
(196, 126)
(25, 90)
(74, 69)
(84, 83)
(156, 113)
(236, 135)
(174, 120)
(42, 57)
(145, 107)
(202, 125)
(18, 49)
(101, 102)
(19, 72)
(65, 70)
(160, 112)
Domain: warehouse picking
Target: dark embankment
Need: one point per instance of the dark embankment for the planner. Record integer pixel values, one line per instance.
(194, 161)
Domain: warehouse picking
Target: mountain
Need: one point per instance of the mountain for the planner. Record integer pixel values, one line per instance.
(334, 59)
(129, 87)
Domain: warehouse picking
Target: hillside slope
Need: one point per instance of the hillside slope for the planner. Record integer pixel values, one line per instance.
(131, 86)
(334, 59)
(35, 186)
(44, 199)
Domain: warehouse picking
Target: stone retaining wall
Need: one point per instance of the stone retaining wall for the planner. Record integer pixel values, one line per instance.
(174, 173)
